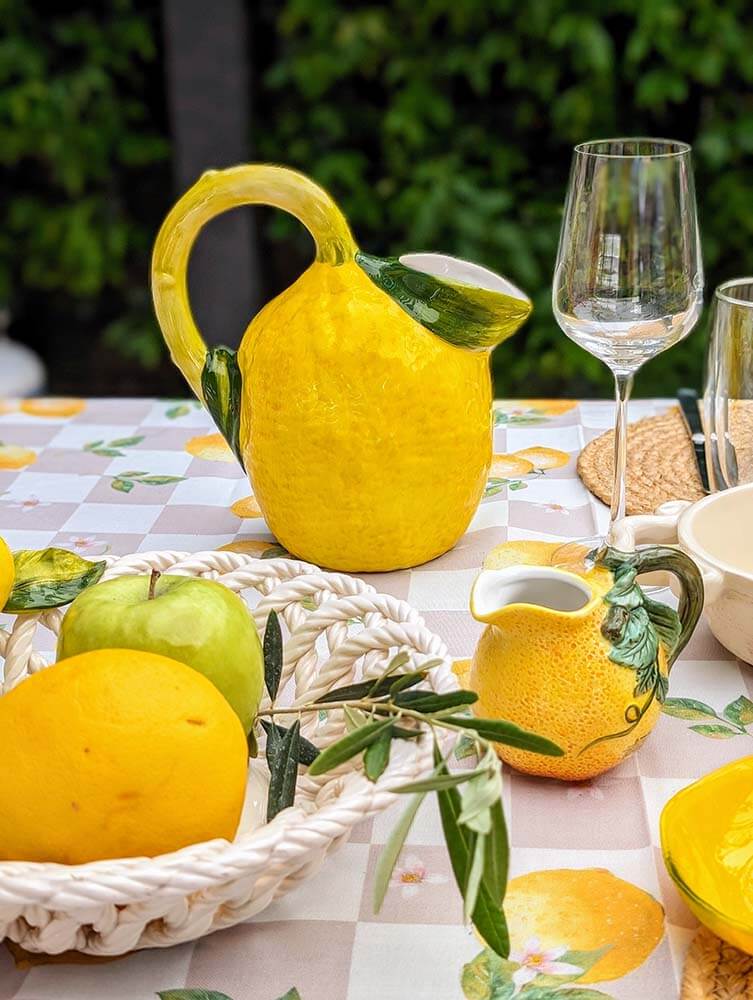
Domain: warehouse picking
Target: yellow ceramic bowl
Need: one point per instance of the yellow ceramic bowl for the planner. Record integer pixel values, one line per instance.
(707, 842)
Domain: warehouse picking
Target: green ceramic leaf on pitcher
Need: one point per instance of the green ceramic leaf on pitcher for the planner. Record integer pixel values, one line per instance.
(48, 578)
(454, 303)
(221, 387)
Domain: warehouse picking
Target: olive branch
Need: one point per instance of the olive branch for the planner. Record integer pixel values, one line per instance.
(393, 707)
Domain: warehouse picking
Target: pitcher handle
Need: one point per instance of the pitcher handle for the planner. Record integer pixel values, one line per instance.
(697, 581)
(214, 375)
(657, 558)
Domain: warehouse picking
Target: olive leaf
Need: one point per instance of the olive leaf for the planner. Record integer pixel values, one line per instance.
(292, 994)
(272, 654)
(347, 747)
(371, 689)
(307, 752)
(49, 578)
(427, 702)
(487, 916)
(283, 770)
(475, 872)
(377, 756)
(391, 850)
(502, 731)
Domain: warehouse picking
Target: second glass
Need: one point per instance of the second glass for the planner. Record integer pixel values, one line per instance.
(628, 282)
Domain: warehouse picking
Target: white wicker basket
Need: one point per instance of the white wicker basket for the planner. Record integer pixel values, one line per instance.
(339, 629)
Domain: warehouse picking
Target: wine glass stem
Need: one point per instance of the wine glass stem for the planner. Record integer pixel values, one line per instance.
(623, 387)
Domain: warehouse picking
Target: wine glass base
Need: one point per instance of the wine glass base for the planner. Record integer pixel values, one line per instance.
(579, 555)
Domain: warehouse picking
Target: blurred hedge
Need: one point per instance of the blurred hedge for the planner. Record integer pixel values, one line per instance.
(80, 140)
(439, 125)
(448, 126)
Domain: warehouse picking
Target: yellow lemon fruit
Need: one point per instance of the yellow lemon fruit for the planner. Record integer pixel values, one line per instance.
(210, 447)
(13, 456)
(247, 508)
(584, 910)
(508, 466)
(7, 572)
(551, 673)
(53, 406)
(117, 753)
(544, 458)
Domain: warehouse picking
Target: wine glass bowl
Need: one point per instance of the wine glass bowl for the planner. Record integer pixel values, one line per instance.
(628, 281)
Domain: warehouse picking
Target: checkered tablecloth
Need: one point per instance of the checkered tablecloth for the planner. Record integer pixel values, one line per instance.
(128, 475)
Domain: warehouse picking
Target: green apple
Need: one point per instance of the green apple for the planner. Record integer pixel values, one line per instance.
(198, 622)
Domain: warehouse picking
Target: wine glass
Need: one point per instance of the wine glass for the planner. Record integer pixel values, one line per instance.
(628, 282)
(728, 399)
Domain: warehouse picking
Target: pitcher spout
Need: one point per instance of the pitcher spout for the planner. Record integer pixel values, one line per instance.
(541, 588)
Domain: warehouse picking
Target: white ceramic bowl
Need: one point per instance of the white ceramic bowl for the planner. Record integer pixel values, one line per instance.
(717, 533)
(340, 629)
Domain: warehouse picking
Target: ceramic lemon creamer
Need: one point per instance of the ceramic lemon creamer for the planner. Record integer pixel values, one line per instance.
(582, 659)
(359, 402)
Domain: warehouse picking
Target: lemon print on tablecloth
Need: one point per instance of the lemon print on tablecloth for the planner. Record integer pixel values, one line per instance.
(549, 407)
(247, 507)
(508, 471)
(510, 466)
(256, 547)
(210, 447)
(53, 406)
(13, 456)
(585, 910)
(542, 458)
(529, 412)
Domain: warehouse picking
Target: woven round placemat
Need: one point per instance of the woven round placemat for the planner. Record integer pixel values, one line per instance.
(714, 970)
(661, 463)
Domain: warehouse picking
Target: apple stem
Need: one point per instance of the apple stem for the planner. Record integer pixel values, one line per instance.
(153, 583)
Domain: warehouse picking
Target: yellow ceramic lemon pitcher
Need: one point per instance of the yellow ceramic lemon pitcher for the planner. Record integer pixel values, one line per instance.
(359, 401)
(582, 659)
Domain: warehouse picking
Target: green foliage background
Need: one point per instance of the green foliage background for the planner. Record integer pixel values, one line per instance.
(438, 125)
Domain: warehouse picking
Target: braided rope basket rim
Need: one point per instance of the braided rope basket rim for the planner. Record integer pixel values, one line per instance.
(112, 907)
